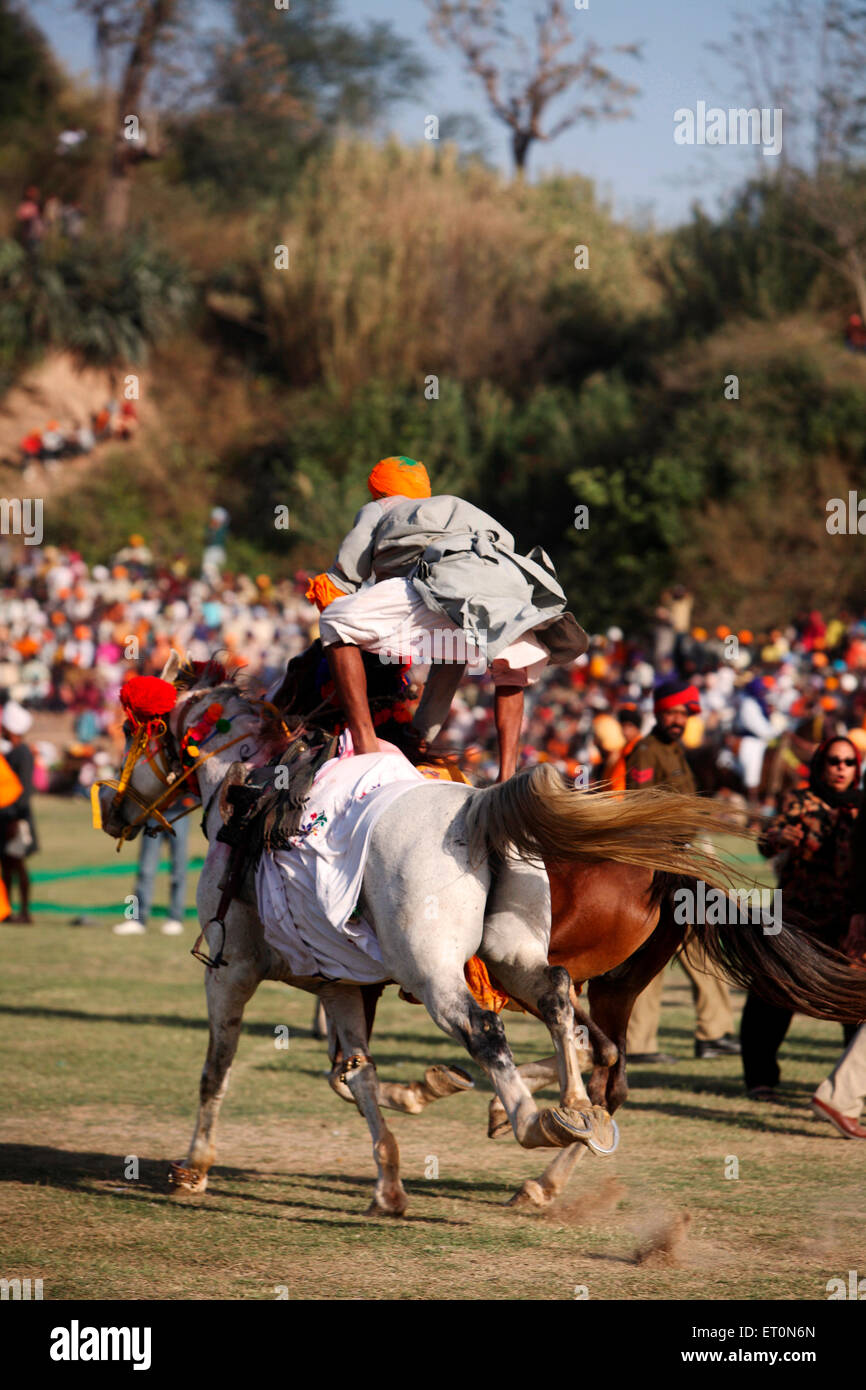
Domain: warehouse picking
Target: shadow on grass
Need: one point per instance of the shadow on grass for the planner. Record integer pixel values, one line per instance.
(87, 1173)
(262, 1030)
(435, 1038)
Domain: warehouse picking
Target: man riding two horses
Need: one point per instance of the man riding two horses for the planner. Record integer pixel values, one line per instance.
(437, 581)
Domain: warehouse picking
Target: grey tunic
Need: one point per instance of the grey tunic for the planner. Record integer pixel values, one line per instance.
(463, 564)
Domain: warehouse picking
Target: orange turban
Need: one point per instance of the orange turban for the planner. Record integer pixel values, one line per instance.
(399, 477)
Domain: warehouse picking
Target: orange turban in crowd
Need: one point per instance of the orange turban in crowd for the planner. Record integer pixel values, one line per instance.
(399, 477)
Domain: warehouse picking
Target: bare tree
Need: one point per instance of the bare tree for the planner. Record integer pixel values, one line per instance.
(521, 92)
(808, 57)
(134, 30)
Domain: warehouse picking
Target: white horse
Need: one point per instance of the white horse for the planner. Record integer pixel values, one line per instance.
(438, 835)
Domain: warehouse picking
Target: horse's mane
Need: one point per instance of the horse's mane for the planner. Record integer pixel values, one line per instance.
(223, 682)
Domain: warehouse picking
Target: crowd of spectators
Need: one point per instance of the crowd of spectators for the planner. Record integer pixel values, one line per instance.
(754, 688)
(71, 633)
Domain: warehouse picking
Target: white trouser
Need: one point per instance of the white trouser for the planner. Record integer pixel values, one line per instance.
(845, 1088)
(752, 760)
(392, 619)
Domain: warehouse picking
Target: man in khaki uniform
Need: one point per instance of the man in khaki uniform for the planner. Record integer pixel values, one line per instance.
(659, 760)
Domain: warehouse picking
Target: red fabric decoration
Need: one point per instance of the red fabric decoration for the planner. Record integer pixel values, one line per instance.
(147, 697)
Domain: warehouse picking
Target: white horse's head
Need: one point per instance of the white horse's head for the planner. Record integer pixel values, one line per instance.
(213, 722)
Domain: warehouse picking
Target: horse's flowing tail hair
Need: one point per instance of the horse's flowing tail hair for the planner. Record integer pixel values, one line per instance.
(542, 817)
(789, 967)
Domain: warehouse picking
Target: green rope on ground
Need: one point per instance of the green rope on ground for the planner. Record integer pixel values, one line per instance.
(101, 871)
(113, 910)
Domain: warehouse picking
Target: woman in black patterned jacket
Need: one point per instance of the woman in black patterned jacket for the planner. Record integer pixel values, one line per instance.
(813, 835)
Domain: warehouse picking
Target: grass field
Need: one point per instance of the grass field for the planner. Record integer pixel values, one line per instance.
(102, 1041)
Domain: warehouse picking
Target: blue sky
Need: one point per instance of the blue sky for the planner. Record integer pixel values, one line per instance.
(635, 163)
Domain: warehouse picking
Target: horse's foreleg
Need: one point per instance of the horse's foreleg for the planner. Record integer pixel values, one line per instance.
(228, 992)
(357, 1073)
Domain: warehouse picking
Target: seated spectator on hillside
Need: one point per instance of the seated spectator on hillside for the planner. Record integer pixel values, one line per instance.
(70, 139)
(72, 221)
(82, 438)
(214, 556)
(31, 448)
(29, 227)
(855, 334)
(126, 422)
(53, 441)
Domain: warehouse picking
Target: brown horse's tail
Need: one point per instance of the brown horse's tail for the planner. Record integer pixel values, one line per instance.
(781, 960)
(542, 817)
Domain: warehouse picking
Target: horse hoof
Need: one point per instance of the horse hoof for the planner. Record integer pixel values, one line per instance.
(531, 1194)
(181, 1178)
(447, 1081)
(376, 1208)
(605, 1133)
(562, 1126)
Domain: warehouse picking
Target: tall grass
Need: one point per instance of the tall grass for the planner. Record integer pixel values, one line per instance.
(405, 264)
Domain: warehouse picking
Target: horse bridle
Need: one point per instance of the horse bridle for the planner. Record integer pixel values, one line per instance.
(165, 762)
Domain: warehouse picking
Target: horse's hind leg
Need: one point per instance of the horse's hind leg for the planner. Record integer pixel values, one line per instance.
(547, 990)
(482, 1033)
(357, 1073)
(229, 990)
(604, 1054)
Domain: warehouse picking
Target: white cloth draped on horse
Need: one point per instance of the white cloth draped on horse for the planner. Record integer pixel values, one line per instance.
(308, 894)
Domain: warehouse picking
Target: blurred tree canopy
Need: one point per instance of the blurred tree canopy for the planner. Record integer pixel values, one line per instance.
(278, 85)
(29, 75)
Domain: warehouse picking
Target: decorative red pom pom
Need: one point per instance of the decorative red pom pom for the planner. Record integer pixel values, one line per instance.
(147, 697)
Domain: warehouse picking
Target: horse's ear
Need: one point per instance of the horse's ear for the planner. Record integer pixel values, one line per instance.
(171, 667)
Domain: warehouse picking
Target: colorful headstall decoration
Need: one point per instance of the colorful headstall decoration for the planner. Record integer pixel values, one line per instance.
(210, 722)
(147, 699)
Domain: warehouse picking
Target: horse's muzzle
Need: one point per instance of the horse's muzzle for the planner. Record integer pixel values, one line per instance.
(112, 816)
